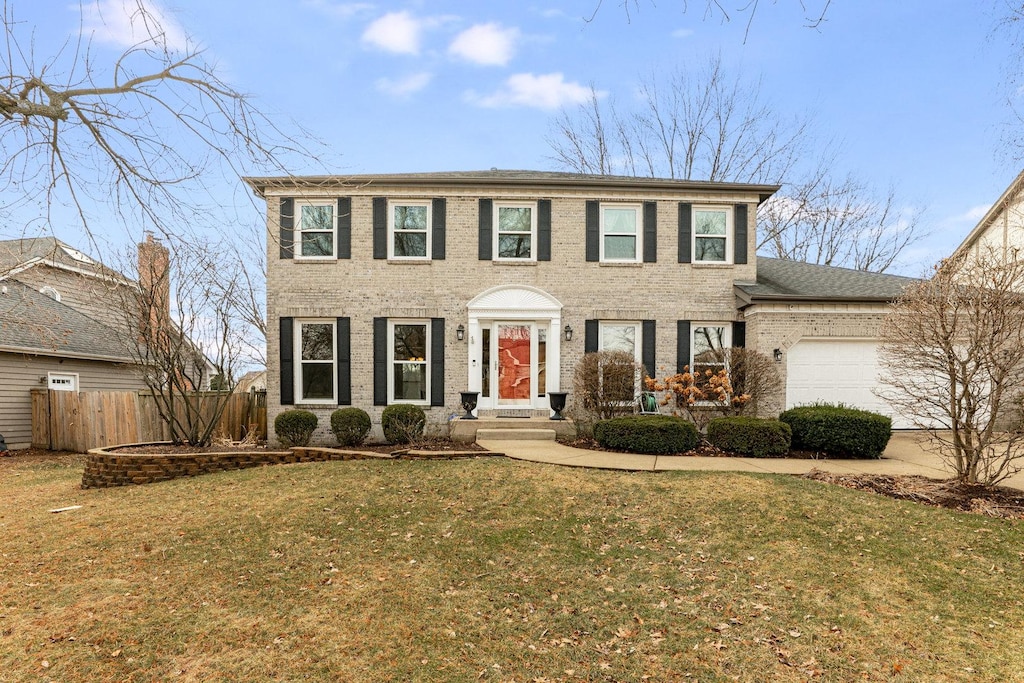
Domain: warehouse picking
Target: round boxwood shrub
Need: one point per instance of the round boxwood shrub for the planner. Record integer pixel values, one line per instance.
(838, 430)
(403, 423)
(350, 425)
(647, 434)
(750, 436)
(295, 427)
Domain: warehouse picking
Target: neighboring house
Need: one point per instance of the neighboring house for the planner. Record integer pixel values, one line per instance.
(410, 288)
(254, 380)
(60, 325)
(1001, 229)
(63, 326)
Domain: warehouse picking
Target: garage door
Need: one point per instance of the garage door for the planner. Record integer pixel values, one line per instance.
(834, 371)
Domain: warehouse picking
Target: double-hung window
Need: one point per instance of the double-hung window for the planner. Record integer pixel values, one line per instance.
(408, 365)
(620, 382)
(316, 234)
(621, 232)
(708, 351)
(315, 379)
(517, 231)
(712, 230)
(409, 230)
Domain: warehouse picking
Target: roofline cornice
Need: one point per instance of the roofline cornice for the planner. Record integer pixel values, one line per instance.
(261, 185)
(31, 351)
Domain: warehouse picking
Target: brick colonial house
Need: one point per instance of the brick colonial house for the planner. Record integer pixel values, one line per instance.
(410, 288)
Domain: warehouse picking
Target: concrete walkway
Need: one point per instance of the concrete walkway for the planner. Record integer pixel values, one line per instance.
(905, 454)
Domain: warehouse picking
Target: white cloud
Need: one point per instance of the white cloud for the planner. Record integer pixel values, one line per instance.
(682, 33)
(403, 87)
(975, 213)
(397, 32)
(486, 44)
(132, 23)
(545, 91)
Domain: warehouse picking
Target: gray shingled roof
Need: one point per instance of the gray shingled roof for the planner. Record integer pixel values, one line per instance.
(33, 321)
(496, 177)
(14, 253)
(782, 280)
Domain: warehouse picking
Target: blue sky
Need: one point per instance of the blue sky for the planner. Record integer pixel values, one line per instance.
(913, 90)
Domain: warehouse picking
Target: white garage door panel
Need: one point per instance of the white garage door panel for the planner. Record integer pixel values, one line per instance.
(832, 371)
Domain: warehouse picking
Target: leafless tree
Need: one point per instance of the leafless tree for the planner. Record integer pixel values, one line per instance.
(181, 329)
(953, 356)
(140, 133)
(814, 11)
(837, 222)
(710, 125)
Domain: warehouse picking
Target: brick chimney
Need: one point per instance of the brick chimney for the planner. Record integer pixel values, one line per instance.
(155, 283)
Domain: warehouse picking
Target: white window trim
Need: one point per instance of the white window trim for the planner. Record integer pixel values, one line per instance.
(639, 235)
(392, 203)
(729, 233)
(297, 229)
(532, 206)
(298, 362)
(391, 360)
(51, 376)
(49, 291)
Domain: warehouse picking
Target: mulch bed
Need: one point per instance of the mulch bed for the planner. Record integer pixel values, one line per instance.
(993, 501)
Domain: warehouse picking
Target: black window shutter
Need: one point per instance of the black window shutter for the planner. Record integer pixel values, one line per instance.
(682, 344)
(590, 333)
(647, 346)
(544, 230)
(650, 232)
(593, 230)
(485, 236)
(437, 229)
(380, 361)
(437, 361)
(344, 227)
(287, 359)
(685, 232)
(740, 233)
(287, 236)
(380, 230)
(739, 334)
(344, 361)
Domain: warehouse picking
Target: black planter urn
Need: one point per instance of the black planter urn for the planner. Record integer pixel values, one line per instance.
(556, 399)
(468, 399)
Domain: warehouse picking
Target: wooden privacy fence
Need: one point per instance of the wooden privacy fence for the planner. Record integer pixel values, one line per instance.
(78, 421)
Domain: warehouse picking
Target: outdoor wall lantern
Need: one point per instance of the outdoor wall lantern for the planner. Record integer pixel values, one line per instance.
(568, 333)
(778, 355)
(460, 332)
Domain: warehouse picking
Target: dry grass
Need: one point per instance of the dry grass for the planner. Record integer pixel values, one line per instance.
(496, 570)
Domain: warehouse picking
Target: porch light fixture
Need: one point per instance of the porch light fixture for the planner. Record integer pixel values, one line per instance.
(460, 332)
(778, 355)
(568, 333)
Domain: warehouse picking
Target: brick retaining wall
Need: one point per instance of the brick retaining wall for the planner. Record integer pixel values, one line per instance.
(104, 468)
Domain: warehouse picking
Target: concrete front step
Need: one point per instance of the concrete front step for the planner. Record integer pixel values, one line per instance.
(466, 430)
(515, 434)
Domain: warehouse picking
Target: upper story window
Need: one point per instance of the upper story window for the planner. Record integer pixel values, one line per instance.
(516, 236)
(315, 230)
(712, 233)
(409, 230)
(315, 376)
(620, 233)
(408, 366)
(49, 291)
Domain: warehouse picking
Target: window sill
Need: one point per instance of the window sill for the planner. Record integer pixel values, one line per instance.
(621, 264)
(511, 262)
(315, 259)
(410, 262)
(713, 265)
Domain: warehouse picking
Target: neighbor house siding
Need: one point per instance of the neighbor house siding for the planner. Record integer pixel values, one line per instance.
(20, 373)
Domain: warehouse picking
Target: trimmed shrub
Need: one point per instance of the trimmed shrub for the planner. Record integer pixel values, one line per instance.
(647, 434)
(403, 423)
(350, 425)
(838, 430)
(295, 427)
(751, 436)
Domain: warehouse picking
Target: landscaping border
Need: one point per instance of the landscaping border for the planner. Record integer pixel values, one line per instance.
(105, 467)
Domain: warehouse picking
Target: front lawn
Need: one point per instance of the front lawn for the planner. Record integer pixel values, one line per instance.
(496, 570)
